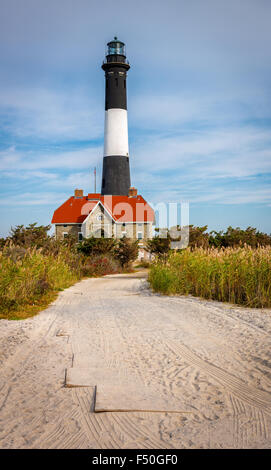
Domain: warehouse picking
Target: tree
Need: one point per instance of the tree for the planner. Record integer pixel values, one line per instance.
(195, 236)
(29, 236)
(160, 247)
(97, 246)
(237, 237)
(198, 237)
(126, 251)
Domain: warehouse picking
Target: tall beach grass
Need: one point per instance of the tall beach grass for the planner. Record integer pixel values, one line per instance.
(237, 275)
(30, 278)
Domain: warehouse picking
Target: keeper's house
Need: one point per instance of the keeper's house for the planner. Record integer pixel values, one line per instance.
(101, 215)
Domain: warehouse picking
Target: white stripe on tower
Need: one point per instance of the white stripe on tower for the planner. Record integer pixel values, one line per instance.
(116, 132)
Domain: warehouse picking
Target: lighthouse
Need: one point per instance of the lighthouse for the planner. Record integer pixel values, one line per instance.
(116, 166)
(125, 213)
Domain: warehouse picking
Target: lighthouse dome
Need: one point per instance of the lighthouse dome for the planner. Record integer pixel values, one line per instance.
(116, 47)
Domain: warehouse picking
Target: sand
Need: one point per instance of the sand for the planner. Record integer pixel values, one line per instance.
(209, 361)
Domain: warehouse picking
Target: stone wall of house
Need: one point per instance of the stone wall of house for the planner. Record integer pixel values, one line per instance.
(98, 220)
(71, 229)
(131, 230)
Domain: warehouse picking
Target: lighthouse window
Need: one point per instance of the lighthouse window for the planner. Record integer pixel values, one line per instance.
(116, 81)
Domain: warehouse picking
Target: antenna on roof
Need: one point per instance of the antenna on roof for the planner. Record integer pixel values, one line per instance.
(95, 179)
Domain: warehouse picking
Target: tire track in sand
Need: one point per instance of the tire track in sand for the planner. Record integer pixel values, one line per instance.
(246, 393)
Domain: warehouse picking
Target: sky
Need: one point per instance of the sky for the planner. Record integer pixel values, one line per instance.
(199, 105)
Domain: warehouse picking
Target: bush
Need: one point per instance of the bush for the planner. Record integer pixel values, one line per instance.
(143, 264)
(99, 266)
(160, 247)
(126, 251)
(97, 246)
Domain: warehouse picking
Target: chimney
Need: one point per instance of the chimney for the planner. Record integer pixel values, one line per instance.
(78, 193)
(132, 192)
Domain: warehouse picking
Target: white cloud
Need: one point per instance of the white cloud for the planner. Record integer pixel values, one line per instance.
(43, 113)
(237, 152)
(199, 166)
(33, 199)
(69, 160)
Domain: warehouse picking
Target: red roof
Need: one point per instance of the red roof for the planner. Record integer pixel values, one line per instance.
(121, 208)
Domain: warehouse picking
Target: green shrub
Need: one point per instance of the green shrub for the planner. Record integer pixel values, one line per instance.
(126, 251)
(97, 246)
(99, 266)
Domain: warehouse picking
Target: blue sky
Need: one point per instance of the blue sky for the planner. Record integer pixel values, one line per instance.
(199, 105)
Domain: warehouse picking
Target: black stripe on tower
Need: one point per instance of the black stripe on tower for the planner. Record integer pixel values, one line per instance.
(115, 79)
(116, 175)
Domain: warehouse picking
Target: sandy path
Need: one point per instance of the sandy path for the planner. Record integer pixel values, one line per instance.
(217, 358)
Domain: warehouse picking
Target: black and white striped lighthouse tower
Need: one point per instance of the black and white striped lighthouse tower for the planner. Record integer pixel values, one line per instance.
(116, 167)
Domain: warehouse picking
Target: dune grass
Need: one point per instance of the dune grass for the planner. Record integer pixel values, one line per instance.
(237, 275)
(30, 279)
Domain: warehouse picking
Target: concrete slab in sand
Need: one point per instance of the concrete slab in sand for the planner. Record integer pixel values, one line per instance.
(117, 391)
(131, 397)
(91, 376)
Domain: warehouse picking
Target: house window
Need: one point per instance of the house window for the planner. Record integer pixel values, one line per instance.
(124, 234)
(139, 235)
(65, 234)
(80, 236)
(64, 225)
